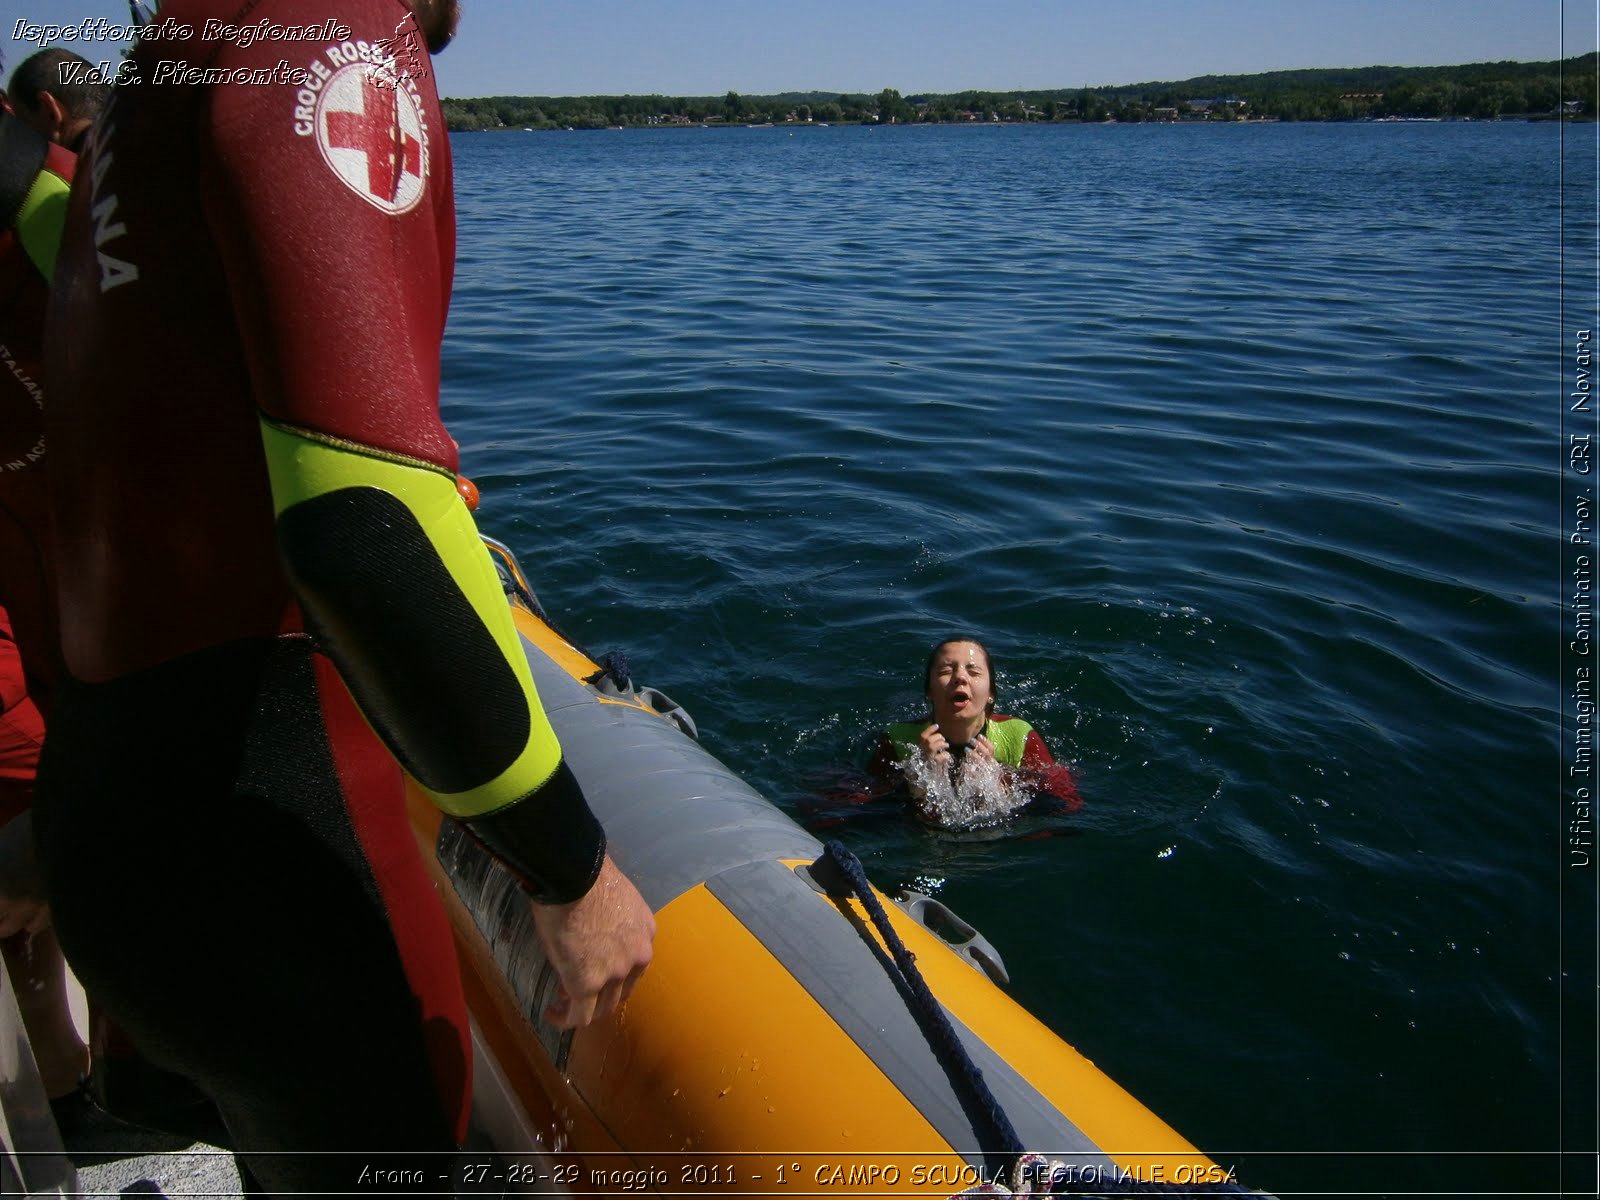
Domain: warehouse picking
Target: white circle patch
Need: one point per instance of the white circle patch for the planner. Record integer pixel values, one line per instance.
(369, 129)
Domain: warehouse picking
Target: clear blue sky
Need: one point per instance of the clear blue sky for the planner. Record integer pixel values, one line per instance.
(706, 47)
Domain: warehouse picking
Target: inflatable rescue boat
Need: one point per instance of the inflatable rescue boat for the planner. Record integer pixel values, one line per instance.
(772, 1047)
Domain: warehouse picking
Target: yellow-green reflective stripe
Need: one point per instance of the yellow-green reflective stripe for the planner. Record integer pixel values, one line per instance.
(41, 218)
(303, 466)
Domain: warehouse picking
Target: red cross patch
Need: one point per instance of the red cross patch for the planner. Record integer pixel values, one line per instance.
(370, 131)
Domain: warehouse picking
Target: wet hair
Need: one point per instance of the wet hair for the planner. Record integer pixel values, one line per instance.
(83, 97)
(988, 662)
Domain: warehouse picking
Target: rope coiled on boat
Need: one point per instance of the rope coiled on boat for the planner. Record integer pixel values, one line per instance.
(1031, 1174)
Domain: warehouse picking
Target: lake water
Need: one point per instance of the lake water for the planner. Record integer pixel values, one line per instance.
(1240, 445)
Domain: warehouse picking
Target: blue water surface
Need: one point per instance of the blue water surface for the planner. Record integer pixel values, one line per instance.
(1239, 444)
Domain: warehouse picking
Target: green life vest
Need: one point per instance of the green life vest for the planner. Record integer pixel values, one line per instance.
(1006, 734)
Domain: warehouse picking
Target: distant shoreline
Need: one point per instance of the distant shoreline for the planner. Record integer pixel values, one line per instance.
(1559, 89)
(1524, 118)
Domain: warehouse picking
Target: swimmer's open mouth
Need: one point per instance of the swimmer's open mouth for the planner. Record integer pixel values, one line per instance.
(959, 697)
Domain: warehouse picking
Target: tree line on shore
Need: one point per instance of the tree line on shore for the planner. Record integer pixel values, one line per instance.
(1481, 91)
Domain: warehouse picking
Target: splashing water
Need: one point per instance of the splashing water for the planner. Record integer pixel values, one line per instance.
(977, 793)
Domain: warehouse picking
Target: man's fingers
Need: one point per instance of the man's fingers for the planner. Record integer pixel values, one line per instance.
(579, 1013)
(565, 1013)
(631, 982)
(569, 1013)
(609, 999)
(555, 1013)
(598, 945)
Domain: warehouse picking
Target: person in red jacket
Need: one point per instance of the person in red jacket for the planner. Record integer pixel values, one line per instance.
(272, 598)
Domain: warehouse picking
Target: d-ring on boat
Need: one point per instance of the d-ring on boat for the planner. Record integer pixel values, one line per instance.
(771, 1047)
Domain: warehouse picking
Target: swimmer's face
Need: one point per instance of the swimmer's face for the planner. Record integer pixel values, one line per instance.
(960, 686)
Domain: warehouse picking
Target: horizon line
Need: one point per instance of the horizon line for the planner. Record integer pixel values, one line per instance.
(712, 95)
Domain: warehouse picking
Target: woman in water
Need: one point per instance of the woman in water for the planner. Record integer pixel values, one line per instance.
(966, 763)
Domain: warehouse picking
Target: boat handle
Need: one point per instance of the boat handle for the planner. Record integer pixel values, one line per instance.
(670, 709)
(940, 920)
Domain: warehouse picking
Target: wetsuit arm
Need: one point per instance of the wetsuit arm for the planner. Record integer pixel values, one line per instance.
(1051, 777)
(399, 590)
(334, 220)
(1035, 754)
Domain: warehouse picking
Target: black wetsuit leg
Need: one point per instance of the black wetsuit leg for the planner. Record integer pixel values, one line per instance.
(213, 891)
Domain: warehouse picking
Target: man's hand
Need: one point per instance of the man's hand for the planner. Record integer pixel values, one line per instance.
(599, 946)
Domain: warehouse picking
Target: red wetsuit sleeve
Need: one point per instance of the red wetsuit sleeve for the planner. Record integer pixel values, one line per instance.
(1036, 755)
(328, 188)
(1053, 778)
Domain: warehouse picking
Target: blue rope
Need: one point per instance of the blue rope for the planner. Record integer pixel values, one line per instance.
(615, 664)
(930, 1014)
(936, 1025)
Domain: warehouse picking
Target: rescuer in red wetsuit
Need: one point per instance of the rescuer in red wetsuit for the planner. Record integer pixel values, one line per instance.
(261, 560)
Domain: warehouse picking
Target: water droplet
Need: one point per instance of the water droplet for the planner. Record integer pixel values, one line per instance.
(1167, 853)
(1345, 954)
